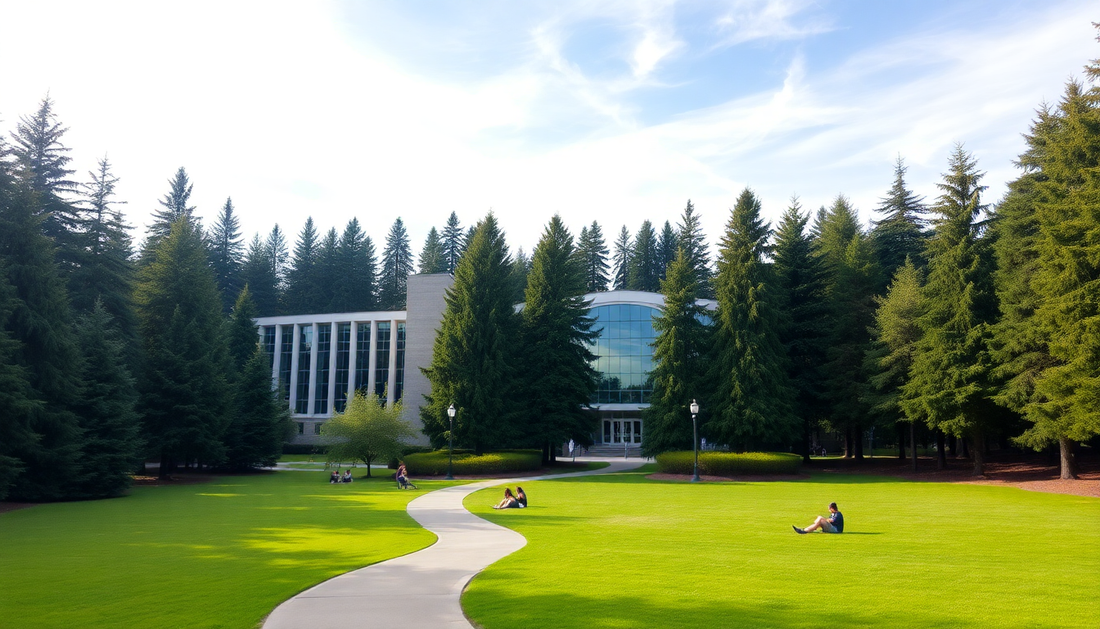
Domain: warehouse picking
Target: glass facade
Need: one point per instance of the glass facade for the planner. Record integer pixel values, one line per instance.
(362, 356)
(269, 344)
(343, 358)
(324, 346)
(624, 353)
(382, 361)
(399, 379)
(305, 343)
(286, 357)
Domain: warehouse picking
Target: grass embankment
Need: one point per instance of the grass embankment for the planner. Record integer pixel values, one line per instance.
(621, 551)
(222, 554)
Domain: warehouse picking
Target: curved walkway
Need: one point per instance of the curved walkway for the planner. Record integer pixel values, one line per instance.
(421, 589)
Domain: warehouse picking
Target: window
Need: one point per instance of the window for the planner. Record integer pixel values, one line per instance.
(382, 360)
(400, 375)
(343, 357)
(301, 428)
(317, 428)
(362, 356)
(624, 353)
(286, 358)
(305, 343)
(269, 344)
(324, 346)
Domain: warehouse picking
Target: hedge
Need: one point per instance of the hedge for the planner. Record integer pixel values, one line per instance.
(730, 463)
(435, 463)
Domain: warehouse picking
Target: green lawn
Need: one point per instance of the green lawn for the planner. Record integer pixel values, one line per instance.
(621, 551)
(222, 554)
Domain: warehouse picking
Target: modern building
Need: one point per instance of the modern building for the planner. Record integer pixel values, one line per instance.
(318, 360)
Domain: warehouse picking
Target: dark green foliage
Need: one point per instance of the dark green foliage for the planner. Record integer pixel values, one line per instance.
(18, 402)
(278, 256)
(328, 269)
(666, 248)
(749, 406)
(592, 250)
(435, 463)
(242, 336)
(397, 264)
(431, 256)
(472, 362)
(643, 270)
(259, 422)
(184, 389)
(258, 276)
(303, 281)
(174, 206)
(690, 238)
(729, 463)
(42, 161)
(357, 271)
(678, 353)
(454, 243)
(111, 448)
(227, 254)
(521, 269)
(899, 235)
(621, 263)
(557, 376)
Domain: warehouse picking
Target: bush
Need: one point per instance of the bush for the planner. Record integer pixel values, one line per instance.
(304, 448)
(435, 463)
(406, 451)
(730, 463)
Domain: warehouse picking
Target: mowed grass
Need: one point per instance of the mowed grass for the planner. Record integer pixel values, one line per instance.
(622, 551)
(221, 554)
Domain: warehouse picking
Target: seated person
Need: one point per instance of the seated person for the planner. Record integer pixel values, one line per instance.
(833, 524)
(334, 477)
(402, 475)
(508, 502)
(347, 476)
(521, 498)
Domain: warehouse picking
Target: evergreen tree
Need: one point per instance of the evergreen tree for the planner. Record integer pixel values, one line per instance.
(558, 379)
(592, 250)
(678, 354)
(227, 253)
(644, 271)
(690, 237)
(358, 271)
(431, 256)
(666, 248)
(184, 391)
(279, 255)
(521, 269)
(303, 282)
(175, 206)
(899, 235)
(800, 281)
(471, 360)
(750, 400)
(453, 242)
(111, 449)
(397, 264)
(241, 335)
(949, 385)
(621, 261)
(18, 402)
(328, 268)
(256, 273)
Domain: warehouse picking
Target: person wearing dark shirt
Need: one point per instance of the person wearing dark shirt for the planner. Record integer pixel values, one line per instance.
(521, 498)
(832, 524)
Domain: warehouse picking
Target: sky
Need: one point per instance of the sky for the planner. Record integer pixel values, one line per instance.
(610, 111)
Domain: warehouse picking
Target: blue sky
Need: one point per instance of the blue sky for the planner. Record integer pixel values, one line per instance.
(613, 111)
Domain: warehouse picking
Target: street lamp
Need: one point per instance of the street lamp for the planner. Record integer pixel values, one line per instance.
(451, 438)
(695, 438)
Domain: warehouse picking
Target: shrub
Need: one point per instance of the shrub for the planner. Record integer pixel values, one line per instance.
(730, 463)
(435, 463)
(304, 448)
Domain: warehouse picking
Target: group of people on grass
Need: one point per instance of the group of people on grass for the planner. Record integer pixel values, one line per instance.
(336, 477)
(517, 500)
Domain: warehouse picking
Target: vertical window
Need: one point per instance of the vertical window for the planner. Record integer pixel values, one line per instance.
(362, 356)
(324, 346)
(269, 344)
(317, 428)
(624, 353)
(382, 360)
(286, 358)
(343, 357)
(301, 428)
(305, 343)
(400, 375)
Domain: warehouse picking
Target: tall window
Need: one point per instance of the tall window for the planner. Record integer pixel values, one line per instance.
(399, 376)
(286, 358)
(324, 346)
(362, 356)
(382, 360)
(305, 343)
(624, 353)
(269, 344)
(343, 357)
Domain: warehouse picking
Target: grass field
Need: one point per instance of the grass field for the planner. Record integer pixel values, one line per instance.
(622, 551)
(221, 554)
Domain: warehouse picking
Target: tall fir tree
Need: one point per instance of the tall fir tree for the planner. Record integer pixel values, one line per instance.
(328, 268)
(557, 379)
(397, 264)
(472, 360)
(749, 405)
(899, 234)
(690, 236)
(174, 206)
(278, 258)
(357, 281)
(621, 262)
(303, 282)
(19, 404)
(227, 253)
(666, 248)
(592, 251)
(257, 275)
(521, 269)
(431, 256)
(453, 242)
(643, 270)
(678, 355)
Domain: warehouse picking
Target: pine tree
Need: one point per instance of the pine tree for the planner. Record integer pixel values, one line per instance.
(175, 206)
(184, 390)
(358, 271)
(278, 256)
(303, 282)
(111, 448)
(678, 354)
(471, 360)
(899, 235)
(241, 335)
(257, 275)
(431, 256)
(621, 261)
(690, 237)
(19, 404)
(949, 386)
(800, 281)
(453, 242)
(397, 264)
(666, 248)
(592, 251)
(521, 269)
(328, 269)
(558, 379)
(750, 401)
(227, 253)
(643, 270)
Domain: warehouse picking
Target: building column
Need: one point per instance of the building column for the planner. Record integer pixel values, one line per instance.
(310, 408)
(333, 350)
(391, 379)
(295, 347)
(278, 357)
(372, 361)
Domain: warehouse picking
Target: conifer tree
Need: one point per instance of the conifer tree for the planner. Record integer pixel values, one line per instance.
(184, 389)
(521, 269)
(19, 403)
(621, 269)
(279, 255)
(431, 256)
(174, 206)
(690, 237)
(899, 235)
(643, 272)
(678, 354)
(557, 376)
(397, 264)
(453, 242)
(750, 402)
(666, 248)
(256, 273)
(358, 271)
(592, 250)
(328, 269)
(303, 282)
(949, 386)
(227, 253)
(472, 361)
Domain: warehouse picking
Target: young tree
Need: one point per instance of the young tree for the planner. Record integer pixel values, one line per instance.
(621, 269)
(899, 235)
(592, 250)
(678, 353)
(227, 253)
(303, 282)
(367, 431)
(690, 238)
(257, 275)
(643, 270)
(431, 256)
(557, 376)
(397, 264)
(453, 242)
(750, 401)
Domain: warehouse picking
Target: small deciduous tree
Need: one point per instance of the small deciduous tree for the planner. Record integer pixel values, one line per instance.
(366, 431)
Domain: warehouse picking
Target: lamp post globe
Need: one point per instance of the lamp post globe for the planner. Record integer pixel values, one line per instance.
(451, 442)
(695, 438)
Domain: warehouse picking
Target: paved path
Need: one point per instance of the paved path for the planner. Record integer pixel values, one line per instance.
(420, 590)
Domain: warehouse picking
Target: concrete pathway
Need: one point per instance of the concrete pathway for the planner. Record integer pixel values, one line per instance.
(420, 590)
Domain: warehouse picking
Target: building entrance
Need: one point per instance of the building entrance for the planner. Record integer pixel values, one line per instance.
(622, 431)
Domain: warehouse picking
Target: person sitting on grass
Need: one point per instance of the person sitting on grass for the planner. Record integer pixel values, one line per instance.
(402, 476)
(833, 524)
(509, 500)
(347, 476)
(521, 498)
(334, 477)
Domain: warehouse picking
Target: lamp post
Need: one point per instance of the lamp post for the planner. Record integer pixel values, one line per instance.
(451, 439)
(695, 438)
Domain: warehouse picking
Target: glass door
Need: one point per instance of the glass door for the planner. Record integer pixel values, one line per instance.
(622, 431)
